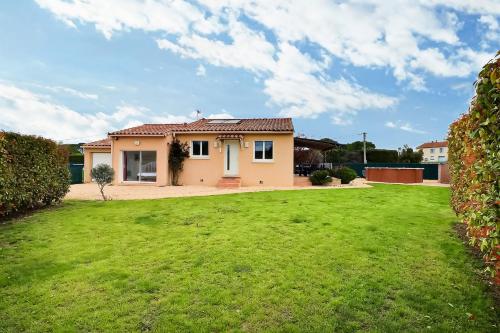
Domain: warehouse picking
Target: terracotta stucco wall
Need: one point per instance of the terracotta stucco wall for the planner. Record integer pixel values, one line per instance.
(87, 161)
(209, 171)
(144, 143)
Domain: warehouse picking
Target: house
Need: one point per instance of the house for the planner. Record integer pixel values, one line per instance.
(434, 151)
(224, 152)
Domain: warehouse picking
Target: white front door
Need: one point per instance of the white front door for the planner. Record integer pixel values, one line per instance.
(231, 151)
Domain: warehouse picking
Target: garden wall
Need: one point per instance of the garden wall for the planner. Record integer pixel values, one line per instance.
(33, 173)
(474, 165)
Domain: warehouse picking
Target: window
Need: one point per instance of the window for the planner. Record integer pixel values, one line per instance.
(139, 166)
(432, 150)
(199, 149)
(441, 150)
(263, 151)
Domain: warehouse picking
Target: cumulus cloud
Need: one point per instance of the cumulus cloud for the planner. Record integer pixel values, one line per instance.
(492, 26)
(411, 39)
(26, 112)
(404, 126)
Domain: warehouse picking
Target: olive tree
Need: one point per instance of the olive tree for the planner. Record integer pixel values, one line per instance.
(103, 175)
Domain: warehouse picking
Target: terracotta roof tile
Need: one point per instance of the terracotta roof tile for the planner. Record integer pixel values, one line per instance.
(99, 143)
(212, 125)
(146, 129)
(243, 125)
(433, 144)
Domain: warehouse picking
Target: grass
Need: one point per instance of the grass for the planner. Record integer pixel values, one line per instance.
(381, 259)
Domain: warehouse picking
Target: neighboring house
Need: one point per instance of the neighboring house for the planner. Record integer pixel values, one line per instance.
(245, 152)
(434, 151)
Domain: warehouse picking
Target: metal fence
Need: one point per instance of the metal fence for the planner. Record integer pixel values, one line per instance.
(76, 171)
(430, 170)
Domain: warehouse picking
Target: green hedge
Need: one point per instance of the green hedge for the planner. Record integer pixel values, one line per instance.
(320, 177)
(382, 156)
(33, 173)
(474, 163)
(345, 174)
(372, 155)
(75, 159)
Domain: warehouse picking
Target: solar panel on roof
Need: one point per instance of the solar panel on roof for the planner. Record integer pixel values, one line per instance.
(225, 121)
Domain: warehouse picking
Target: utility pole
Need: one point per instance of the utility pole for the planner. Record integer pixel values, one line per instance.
(364, 147)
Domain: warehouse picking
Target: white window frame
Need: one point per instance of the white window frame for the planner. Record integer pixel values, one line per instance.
(264, 159)
(432, 150)
(441, 150)
(199, 157)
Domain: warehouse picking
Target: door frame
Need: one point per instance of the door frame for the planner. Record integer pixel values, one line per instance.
(236, 151)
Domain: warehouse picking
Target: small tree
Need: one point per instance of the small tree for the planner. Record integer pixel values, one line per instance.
(103, 175)
(407, 155)
(178, 153)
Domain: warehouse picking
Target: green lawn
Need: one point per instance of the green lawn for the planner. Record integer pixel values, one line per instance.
(380, 259)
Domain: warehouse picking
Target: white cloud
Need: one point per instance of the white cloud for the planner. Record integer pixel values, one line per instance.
(70, 91)
(492, 28)
(223, 115)
(410, 38)
(404, 126)
(201, 71)
(26, 112)
(29, 113)
(463, 87)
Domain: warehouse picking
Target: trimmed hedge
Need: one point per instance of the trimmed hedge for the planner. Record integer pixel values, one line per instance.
(345, 174)
(474, 163)
(320, 177)
(382, 156)
(33, 173)
(372, 155)
(75, 159)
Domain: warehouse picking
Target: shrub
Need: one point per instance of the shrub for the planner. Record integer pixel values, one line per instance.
(103, 175)
(473, 157)
(345, 174)
(178, 153)
(320, 177)
(33, 173)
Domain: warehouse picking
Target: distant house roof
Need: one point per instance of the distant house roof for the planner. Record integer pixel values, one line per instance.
(316, 144)
(212, 125)
(433, 144)
(104, 143)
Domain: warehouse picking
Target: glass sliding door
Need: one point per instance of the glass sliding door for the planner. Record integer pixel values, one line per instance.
(139, 166)
(148, 166)
(131, 165)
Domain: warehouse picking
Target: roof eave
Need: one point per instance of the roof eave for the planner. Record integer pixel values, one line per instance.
(120, 135)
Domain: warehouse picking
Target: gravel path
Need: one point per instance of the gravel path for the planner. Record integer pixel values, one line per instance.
(127, 192)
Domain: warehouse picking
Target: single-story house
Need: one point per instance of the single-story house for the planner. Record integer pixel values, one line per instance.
(232, 152)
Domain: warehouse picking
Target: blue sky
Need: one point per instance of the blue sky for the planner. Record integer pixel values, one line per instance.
(399, 70)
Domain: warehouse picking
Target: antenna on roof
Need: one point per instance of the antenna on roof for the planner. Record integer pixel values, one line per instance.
(198, 114)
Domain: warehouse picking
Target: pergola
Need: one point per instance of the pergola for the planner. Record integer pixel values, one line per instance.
(312, 144)
(320, 145)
